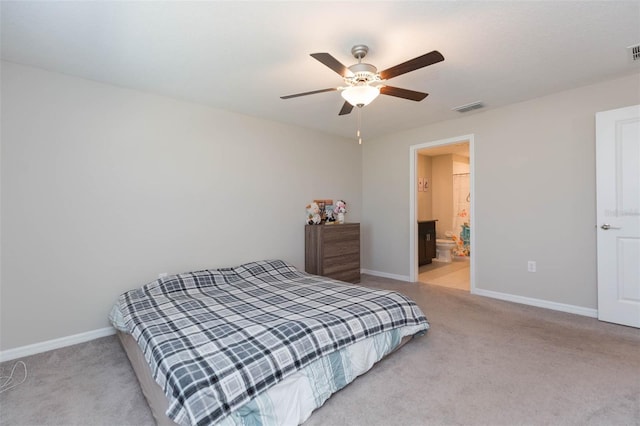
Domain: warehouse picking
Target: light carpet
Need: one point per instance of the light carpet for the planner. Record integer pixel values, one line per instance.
(483, 362)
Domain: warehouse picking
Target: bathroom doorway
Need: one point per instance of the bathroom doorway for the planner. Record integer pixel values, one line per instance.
(441, 207)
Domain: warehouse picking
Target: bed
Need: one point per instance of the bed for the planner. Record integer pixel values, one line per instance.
(260, 343)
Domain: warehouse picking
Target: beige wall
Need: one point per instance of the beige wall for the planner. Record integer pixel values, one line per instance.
(534, 193)
(460, 164)
(424, 199)
(103, 188)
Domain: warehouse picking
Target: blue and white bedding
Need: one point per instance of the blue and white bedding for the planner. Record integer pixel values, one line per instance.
(313, 384)
(216, 340)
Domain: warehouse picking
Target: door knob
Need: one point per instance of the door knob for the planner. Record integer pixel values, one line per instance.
(606, 226)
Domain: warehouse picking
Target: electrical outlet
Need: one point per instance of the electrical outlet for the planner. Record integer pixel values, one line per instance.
(531, 266)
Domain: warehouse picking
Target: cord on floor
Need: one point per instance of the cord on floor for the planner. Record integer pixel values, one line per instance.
(8, 382)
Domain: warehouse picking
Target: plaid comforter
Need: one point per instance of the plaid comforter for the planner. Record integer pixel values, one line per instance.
(215, 339)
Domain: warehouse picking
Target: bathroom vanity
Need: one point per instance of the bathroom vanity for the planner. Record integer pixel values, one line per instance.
(426, 241)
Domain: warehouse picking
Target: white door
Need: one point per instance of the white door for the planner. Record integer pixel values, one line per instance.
(618, 215)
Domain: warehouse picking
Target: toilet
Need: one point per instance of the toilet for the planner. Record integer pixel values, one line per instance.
(443, 250)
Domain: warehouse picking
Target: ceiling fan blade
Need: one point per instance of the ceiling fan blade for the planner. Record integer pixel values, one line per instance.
(403, 93)
(332, 63)
(333, 89)
(412, 65)
(346, 109)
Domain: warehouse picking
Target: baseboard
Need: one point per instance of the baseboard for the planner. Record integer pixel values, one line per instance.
(48, 345)
(385, 275)
(540, 303)
(572, 309)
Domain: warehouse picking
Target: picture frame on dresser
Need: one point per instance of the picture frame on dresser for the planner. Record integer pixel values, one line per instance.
(322, 205)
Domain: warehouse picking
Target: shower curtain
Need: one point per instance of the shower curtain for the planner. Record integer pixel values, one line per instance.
(461, 206)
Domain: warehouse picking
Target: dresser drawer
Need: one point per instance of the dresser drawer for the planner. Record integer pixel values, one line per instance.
(351, 276)
(335, 264)
(338, 234)
(341, 248)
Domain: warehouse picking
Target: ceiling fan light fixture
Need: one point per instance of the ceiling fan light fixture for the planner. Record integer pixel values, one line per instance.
(360, 95)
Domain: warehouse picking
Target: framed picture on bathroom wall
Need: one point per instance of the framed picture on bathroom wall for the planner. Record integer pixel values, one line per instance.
(420, 184)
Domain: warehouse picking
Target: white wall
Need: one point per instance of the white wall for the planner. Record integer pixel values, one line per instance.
(442, 172)
(534, 193)
(104, 187)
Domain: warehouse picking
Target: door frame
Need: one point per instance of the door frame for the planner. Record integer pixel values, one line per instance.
(613, 304)
(413, 205)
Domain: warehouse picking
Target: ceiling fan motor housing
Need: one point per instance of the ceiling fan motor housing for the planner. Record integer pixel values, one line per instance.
(359, 51)
(362, 74)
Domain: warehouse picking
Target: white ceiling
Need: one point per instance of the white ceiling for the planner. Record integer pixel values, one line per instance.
(242, 56)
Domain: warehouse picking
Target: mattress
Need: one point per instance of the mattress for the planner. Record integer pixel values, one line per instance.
(151, 390)
(258, 343)
(288, 402)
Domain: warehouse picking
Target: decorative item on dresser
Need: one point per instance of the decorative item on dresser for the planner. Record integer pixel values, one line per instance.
(340, 208)
(333, 251)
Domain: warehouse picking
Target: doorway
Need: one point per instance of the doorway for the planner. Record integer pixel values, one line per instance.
(618, 215)
(442, 198)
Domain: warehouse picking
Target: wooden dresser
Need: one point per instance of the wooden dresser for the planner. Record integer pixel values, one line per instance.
(333, 251)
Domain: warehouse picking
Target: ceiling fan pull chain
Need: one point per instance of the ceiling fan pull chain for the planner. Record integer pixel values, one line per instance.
(359, 126)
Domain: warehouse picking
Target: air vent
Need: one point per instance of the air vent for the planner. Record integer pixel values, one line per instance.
(469, 107)
(634, 51)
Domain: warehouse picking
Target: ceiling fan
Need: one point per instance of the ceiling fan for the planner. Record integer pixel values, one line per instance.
(363, 81)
